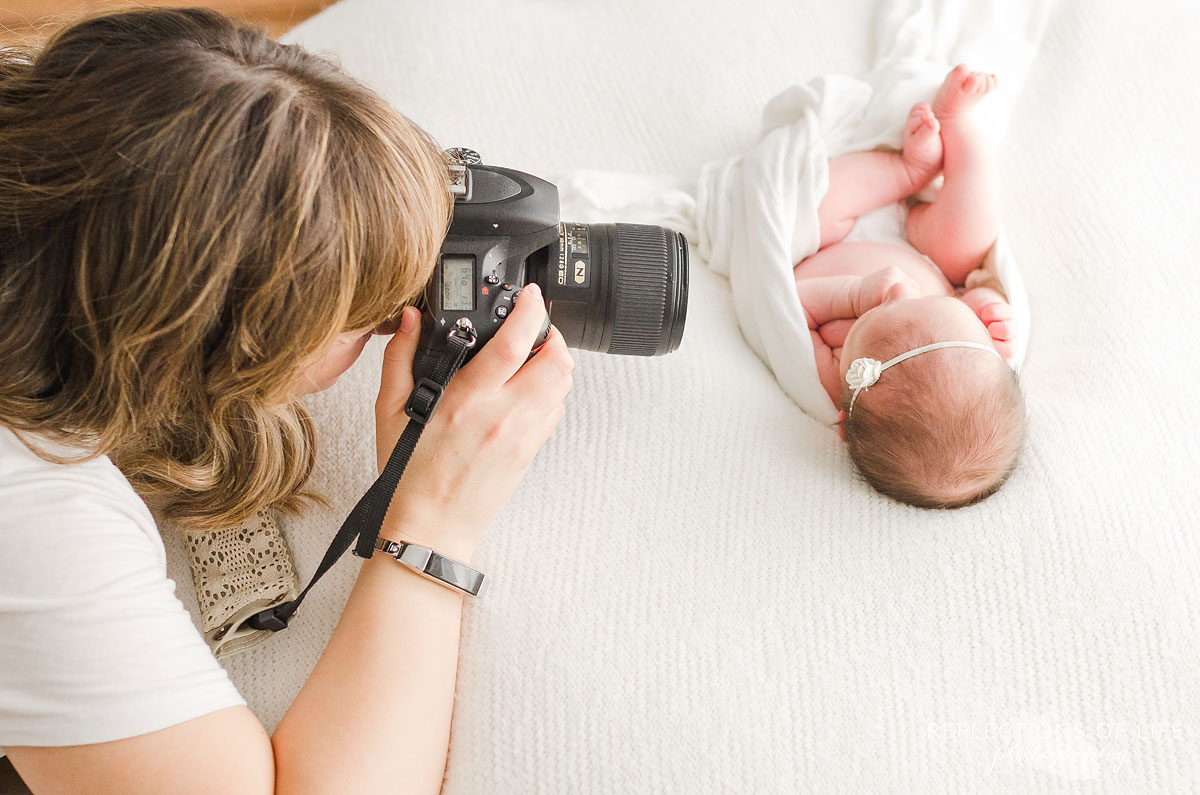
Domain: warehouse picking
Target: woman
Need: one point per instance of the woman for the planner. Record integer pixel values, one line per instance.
(197, 226)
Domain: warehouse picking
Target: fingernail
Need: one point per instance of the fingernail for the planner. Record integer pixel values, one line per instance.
(407, 322)
(532, 287)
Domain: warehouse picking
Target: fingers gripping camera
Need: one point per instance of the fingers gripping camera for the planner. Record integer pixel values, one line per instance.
(613, 288)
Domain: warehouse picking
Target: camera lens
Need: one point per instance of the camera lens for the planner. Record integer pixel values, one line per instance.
(617, 288)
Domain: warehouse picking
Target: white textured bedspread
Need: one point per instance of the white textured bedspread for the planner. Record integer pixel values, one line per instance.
(691, 590)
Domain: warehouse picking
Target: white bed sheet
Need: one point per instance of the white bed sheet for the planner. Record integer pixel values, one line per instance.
(691, 591)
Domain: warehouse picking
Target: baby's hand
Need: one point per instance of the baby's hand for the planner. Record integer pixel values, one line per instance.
(993, 312)
(887, 284)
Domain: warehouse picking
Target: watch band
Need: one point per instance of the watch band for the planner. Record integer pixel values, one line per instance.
(449, 572)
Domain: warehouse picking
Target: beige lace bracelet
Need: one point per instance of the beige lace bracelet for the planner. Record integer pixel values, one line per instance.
(238, 572)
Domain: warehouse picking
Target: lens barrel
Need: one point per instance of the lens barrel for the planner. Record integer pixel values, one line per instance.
(633, 298)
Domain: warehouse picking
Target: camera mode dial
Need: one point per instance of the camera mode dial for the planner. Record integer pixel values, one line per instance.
(464, 156)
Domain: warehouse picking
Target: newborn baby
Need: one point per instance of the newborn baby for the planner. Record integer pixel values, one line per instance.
(913, 348)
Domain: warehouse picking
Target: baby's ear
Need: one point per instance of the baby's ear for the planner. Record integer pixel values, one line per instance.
(841, 431)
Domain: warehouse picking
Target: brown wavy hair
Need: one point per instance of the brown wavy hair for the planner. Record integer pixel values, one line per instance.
(189, 211)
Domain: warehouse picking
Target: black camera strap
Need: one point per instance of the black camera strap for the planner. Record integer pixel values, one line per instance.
(365, 520)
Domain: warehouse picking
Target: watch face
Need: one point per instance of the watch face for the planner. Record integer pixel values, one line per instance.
(455, 573)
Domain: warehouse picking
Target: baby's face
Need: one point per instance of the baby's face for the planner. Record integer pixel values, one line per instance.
(946, 317)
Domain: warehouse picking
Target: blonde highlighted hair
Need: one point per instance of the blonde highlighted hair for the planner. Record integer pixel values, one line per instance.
(189, 211)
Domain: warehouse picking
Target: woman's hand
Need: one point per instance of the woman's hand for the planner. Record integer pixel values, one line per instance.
(492, 419)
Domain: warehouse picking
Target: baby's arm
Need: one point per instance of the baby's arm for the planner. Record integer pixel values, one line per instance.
(827, 298)
(832, 304)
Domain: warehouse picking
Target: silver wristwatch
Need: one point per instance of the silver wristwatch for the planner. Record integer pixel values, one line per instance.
(439, 568)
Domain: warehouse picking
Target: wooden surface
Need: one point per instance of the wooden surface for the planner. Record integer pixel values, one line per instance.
(32, 21)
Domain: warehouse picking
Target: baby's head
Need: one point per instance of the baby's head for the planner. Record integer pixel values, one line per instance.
(943, 428)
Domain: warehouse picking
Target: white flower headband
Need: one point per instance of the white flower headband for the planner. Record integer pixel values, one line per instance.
(865, 372)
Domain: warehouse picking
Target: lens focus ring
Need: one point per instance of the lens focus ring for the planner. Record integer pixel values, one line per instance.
(641, 289)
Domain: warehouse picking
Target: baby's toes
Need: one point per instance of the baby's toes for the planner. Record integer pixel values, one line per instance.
(1004, 348)
(922, 152)
(961, 90)
(921, 120)
(976, 83)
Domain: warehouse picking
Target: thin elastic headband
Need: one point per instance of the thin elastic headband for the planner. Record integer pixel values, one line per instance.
(865, 372)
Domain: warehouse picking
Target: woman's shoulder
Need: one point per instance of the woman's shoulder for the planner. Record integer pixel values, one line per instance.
(72, 514)
(18, 459)
(101, 647)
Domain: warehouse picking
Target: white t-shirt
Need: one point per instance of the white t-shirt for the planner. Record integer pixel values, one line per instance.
(94, 644)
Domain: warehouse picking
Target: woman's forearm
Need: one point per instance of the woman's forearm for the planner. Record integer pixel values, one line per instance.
(374, 714)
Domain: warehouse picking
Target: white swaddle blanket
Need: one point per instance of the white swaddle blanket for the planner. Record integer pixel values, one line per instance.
(754, 216)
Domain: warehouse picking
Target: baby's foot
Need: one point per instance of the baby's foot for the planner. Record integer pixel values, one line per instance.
(922, 152)
(961, 90)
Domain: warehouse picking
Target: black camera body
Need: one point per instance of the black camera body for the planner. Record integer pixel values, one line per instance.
(614, 288)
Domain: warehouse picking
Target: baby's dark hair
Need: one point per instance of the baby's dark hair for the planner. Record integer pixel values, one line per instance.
(940, 430)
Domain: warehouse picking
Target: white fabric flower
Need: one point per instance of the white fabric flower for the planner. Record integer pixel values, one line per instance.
(863, 373)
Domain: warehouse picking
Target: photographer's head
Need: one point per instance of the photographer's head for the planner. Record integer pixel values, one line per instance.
(197, 224)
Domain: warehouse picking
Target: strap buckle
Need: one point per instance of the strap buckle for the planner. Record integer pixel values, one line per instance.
(427, 392)
(267, 619)
(424, 399)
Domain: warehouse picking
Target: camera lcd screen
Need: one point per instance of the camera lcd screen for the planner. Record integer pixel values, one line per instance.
(458, 284)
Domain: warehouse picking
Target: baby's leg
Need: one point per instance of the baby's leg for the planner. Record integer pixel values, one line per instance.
(959, 227)
(862, 181)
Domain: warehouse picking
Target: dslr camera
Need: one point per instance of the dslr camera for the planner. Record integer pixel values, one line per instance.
(613, 288)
